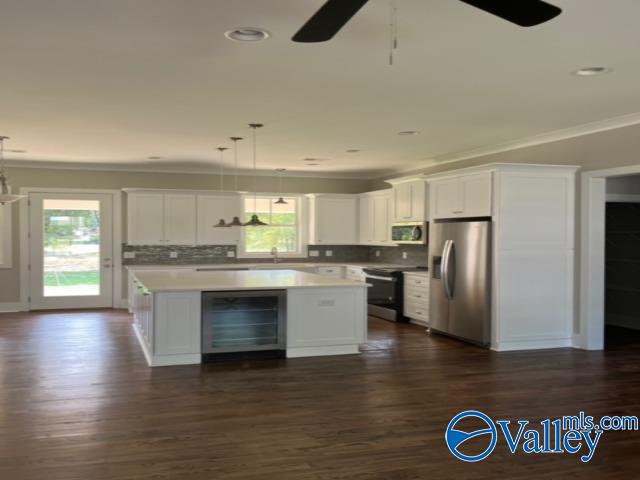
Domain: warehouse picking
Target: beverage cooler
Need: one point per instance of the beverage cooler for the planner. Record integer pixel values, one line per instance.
(246, 321)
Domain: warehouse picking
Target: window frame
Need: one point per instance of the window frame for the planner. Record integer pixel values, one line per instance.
(301, 250)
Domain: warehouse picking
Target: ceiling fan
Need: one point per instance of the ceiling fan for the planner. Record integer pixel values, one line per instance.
(335, 14)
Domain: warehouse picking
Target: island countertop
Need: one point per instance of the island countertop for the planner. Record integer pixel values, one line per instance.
(183, 280)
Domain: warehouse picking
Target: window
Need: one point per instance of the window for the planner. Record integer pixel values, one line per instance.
(283, 230)
(5, 236)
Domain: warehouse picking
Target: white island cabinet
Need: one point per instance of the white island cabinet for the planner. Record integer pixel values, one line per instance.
(325, 315)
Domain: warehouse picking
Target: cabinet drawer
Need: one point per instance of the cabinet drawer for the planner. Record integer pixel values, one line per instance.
(419, 313)
(420, 281)
(416, 295)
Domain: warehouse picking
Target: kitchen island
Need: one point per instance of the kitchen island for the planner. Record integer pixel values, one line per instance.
(323, 315)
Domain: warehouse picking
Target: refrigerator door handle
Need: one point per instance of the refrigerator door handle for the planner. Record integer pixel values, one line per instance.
(445, 268)
(448, 278)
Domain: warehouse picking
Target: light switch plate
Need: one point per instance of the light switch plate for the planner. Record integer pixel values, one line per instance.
(129, 255)
(231, 254)
(404, 255)
(328, 253)
(173, 254)
(377, 253)
(314, 253)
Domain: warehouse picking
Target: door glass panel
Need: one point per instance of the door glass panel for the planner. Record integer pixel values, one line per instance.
(71, 247)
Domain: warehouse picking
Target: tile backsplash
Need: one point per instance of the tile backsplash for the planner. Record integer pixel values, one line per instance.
(220, 254)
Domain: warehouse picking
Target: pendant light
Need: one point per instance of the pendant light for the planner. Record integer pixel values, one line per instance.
(280, 201)
(221, 223)
(236, 220)
(255, 220)
(5, 196)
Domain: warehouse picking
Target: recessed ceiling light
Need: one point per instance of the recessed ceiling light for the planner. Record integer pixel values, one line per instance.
(313, 164)
(591, 71)
(15, 151)
(353, 150)
(408, 132)
(247, 34)
(315, 160)
(154, 158)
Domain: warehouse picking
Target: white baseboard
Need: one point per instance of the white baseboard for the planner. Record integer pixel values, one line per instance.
(121, 303)
(11, 307)
(299, 352)
(533, 345)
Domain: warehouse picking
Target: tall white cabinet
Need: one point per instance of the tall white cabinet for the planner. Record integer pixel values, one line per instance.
(533, 220)
(375, 213)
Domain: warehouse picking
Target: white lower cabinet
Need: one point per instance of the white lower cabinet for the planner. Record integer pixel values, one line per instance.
(416, 297)
(326, 321)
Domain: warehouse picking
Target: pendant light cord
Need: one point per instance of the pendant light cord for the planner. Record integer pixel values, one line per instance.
(222, 149)
(2, 139)
(235, 159)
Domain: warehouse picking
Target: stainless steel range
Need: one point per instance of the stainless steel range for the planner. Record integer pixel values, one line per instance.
(386, 294)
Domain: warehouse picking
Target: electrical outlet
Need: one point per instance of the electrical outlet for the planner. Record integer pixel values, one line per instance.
(328, 253)
(377, 253)
(314, 253)
(231, 254)
(404, 255)
(173, 254)
(129, 255)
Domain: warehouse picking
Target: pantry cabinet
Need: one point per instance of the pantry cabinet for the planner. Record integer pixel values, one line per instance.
(462, 196)
(375, 218)
(333, 219)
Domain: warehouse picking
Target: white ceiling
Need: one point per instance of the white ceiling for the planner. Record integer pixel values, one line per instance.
(116, 81)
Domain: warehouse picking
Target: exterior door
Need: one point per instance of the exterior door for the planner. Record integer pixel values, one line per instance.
(71, 250)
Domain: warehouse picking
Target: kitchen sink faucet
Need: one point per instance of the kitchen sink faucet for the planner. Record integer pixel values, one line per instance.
(274, 252)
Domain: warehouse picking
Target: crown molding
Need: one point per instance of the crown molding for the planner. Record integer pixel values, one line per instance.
(105, 167)
(541, 139)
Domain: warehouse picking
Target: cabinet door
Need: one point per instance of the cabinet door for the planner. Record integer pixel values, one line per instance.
(337, 221)
(145, 213)
(445, 198)
(381, 218)
(176, 323)
(180, 219)
(210, 210)
(402, 202)
(475, 195)
(366, 225)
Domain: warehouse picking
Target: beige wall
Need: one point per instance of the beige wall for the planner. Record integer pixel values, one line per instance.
(613, 148)
(36, 177)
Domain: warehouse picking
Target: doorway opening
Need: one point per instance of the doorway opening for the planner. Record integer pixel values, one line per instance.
(622, 262)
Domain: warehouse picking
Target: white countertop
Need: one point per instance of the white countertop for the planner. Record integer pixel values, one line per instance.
(261, 266)
(188, 280)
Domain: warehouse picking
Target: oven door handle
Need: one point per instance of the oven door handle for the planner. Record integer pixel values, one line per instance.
(384, 279)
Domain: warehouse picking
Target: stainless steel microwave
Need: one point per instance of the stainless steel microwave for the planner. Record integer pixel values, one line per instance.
(410, 233)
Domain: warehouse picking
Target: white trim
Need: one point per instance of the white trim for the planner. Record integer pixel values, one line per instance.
(301, 352)
(591, 319)
(6, 231)
(623, 197)
(116, 253)
(532, 345)
(165, 360)
(11, 307)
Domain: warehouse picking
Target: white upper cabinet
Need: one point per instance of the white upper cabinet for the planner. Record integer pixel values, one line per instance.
(179, 219)
(333, 219)
(145, 215)
(375, 218)
(212, 208)
(461, 196)
(409, 201)
(161, 219)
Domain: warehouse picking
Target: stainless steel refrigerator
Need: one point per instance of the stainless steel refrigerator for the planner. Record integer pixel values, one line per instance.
(460, 297)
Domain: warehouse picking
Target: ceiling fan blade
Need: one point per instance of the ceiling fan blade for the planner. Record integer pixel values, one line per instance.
(328, 21)
(526, 13)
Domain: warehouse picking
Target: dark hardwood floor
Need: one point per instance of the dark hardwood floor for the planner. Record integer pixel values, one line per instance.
(77, 401)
